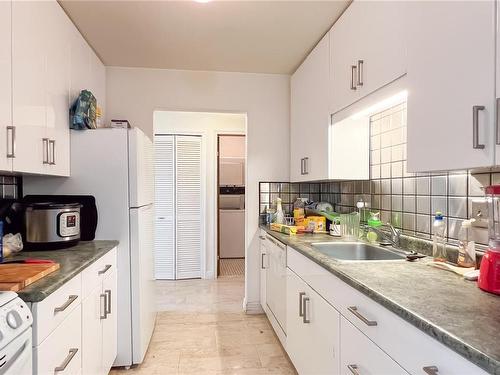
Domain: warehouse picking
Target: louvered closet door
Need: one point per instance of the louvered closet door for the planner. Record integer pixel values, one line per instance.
(165, 207)
(188, 207)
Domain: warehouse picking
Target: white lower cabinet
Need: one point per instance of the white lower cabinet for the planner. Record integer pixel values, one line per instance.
(359, 355)
(263, 266)
(61, 352)
(333, 328)
(75, 328)
(313, 329)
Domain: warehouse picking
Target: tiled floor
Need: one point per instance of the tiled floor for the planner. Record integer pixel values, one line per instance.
(232, 267)
(201, 329)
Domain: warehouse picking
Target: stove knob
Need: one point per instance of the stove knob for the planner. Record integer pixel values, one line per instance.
(14, 319)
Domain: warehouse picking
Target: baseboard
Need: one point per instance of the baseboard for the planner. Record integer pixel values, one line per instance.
(253, 308)
(209, 275)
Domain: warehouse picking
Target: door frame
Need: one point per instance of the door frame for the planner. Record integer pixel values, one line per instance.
(218, 134)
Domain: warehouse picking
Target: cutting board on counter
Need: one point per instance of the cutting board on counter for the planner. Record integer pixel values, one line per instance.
(15, 276)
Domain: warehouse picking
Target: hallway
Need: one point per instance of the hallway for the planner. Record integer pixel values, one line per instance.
(201, 329)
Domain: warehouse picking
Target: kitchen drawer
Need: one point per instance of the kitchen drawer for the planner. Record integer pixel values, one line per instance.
(390, 329)
(49, 313)
(61, 350)
(358, 355)
(92, 275)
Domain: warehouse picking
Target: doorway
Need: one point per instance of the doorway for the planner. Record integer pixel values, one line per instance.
(231, 162)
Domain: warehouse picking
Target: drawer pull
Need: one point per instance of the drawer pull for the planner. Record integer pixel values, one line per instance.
(103, 299)
(67, 360)
(301, 311)
(104, 270)
(355, 312)
(304, 317)
(262, 237)
(431, 370)
(108, 301)
(63, 307)
(262, 261)
(353, 369)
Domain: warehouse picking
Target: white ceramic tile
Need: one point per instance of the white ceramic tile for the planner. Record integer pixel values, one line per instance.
(375, 171)
(439, 185)
(385, 155)
(375, 157)
(457, 207)
(385, 171)
(397, 153)
(423, 204)
(409, 221)
(409, 187)
(397, 203)
(439, 204)
(457, 185)
(397, 186)
(375, 142)
(397, 169)
(423, 185)
(423, 223)
(409, 203)
(476, 182)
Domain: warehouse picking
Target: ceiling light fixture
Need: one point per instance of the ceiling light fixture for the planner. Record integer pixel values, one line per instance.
(202, 1)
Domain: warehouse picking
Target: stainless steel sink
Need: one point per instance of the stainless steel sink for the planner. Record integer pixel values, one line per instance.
(356, 251)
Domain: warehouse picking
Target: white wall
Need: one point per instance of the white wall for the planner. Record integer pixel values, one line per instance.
(135, 93)
(208, 125)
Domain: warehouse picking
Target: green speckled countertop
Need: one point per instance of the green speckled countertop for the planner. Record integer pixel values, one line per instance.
(72, 261)
(440, 303)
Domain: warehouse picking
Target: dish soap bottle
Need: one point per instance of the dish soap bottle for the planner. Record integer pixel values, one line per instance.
(439, 240)
(466, 246)
(280, 216)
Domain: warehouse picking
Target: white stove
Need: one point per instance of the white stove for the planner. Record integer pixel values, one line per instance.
(15, 335)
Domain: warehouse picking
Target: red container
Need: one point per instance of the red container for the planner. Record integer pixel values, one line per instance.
(489, 272)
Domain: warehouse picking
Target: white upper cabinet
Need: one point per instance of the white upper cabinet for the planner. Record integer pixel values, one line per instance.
(367, 50)
(44, 64)
(29, 68)
(5, 86)
(310, 116)
(451, 85)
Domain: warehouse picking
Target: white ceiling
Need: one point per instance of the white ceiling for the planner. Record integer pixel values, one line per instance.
(241, 36)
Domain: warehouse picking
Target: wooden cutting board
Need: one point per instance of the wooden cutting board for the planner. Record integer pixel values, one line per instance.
(17, 276)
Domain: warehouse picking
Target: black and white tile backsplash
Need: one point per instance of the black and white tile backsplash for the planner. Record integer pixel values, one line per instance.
(9, 187)
(407, 200)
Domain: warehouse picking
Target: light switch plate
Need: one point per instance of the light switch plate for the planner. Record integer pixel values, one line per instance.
(479, 211)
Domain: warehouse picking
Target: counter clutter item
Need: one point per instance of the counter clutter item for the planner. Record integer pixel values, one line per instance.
(408, 289)
(14, 276)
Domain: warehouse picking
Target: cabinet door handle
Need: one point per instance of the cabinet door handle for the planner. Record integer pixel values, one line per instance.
(72, 352)
(301, 310)
(475, 127)
(66, 304)
(430, 370)
(103, 300)
(354, 69)
(262, 237)
(104, 270)
(262, 261)
(11, 142)
(304, 317)
(360, 72)
(302, 166)
(355, 312)
(497, 123)
(353, 369)
(52, 143)
(108, 301)
(45, 150)
(306, 165)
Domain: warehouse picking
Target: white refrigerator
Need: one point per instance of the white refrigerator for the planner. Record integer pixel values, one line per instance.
(117, 167)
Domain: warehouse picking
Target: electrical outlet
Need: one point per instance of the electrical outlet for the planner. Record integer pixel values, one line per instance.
(479, 211)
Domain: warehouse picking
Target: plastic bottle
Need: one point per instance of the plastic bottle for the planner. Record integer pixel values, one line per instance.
(299, 212)
(439, 239)
(280, 216)
(466, 245)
